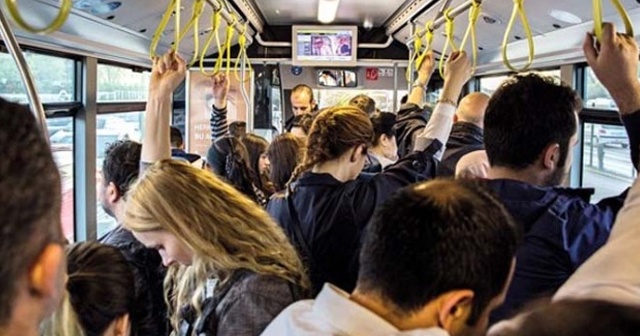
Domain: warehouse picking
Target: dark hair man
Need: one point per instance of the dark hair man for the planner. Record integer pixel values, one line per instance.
(302, 102)
(120, 169)
(177, 147)
(437, 257)
(466, 134)
(31, 241)
(530, 129)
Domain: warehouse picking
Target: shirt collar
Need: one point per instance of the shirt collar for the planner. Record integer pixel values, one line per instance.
(335, 306)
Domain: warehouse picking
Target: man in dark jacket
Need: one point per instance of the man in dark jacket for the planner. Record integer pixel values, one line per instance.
(119, 170)
(530, 129)
(466, 134)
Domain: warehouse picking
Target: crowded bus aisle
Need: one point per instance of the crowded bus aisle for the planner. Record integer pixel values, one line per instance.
(465, 210)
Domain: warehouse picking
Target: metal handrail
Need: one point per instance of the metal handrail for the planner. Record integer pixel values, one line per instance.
(27, 79)
(226, 15)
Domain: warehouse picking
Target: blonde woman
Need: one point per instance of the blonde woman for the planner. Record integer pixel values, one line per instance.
(231, 268)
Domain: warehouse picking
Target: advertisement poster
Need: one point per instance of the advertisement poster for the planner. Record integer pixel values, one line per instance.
(199, 101)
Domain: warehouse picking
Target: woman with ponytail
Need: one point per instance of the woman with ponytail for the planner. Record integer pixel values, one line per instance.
(100, 294)
(328, 205)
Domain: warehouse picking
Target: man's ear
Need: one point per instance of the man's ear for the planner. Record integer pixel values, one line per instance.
(113, 194)
(47, 275)
(551, 156)
(122, 326)
(455, 118)
(454, 309)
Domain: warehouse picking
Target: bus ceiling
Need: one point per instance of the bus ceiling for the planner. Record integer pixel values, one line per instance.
(558, 26)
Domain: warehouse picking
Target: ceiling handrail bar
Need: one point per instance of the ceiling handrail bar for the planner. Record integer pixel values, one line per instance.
(441, 20)
(238, 25)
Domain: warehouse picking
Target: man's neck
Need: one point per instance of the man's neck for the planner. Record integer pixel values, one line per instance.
(118, 211)
(527, 175)
(378, 307)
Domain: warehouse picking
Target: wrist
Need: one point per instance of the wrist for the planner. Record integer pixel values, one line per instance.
(219, 104)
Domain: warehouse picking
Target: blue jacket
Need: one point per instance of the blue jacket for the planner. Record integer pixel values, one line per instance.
(561, 230)
(325, 218)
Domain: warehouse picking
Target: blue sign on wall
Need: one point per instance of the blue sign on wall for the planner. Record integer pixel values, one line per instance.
(296, 70)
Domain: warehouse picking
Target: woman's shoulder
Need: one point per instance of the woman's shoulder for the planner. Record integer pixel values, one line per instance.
(270, 286)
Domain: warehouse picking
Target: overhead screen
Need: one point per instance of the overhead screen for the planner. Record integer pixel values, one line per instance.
(325, 45)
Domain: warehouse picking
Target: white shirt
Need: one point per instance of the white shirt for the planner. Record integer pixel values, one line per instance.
(332, 313)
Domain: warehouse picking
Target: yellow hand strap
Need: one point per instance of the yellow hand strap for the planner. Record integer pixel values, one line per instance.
(196, 11)
(428, 40)
(63, 14)
(242, 54)
(215, 24)
(450, 33)
(474, 15)
(227, 44)
(417, 46)
(157, 35)
(176, 21)
(597, 18)
(518, 9)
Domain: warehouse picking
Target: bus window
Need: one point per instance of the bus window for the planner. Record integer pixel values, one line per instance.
(490, 84)
(109, 129)
(596, 96)
(606, 162)
(61, 138)
(54, 78)
(117, 84)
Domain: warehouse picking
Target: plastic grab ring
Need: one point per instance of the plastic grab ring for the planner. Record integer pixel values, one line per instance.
(65, 9)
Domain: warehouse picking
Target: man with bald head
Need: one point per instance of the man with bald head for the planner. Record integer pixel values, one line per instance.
(466, 134)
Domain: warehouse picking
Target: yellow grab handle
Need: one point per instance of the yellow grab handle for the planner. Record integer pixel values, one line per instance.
(63, 14)
(474, 15)
(428, 39)
(597, 18)
(227, 44)
(157, 35)
(449, 32)
(215, 24)
(518, 9)
(242, 54)
(197, 10)
(417, 46)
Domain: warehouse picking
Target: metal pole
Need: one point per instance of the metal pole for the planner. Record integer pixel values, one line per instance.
(216, 5)
(243, 90)
(412, 30)
(440, 19)
(23, 68)
(395, 87)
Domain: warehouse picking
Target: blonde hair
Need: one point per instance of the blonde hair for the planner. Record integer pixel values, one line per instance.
(64, 321)
(225, 230)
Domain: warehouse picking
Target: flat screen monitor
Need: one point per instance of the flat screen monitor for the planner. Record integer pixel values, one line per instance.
(325, 45)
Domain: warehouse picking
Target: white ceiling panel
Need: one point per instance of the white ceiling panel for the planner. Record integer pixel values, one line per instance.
(287, 12)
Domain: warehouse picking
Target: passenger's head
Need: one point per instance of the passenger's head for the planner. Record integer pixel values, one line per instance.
(384, 134)
(177, 141)
(341, 134)
(100, 293)
(530, 127)
(202, 227)
(228, 158)
(32, 268)
(577, 318)
(472, 108)
(302, 100)
(302, 125)
(120, 169)
(285, 153)
(238, 129)
(365, 103)
(258, 159)
(440, 253)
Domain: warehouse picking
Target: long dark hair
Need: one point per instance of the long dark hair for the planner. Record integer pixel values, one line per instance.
(100, 289)
(256, 147)
(285, 154)
(229, 160)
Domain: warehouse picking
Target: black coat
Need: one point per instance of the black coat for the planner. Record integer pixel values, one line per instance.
(150, 311)
(411, 120)
(465, 138)
(325, 218)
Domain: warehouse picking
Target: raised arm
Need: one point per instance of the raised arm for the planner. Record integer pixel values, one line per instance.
(416, 96)
(457, 73)
(220, 88)
(613, 273)
(167, 73)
